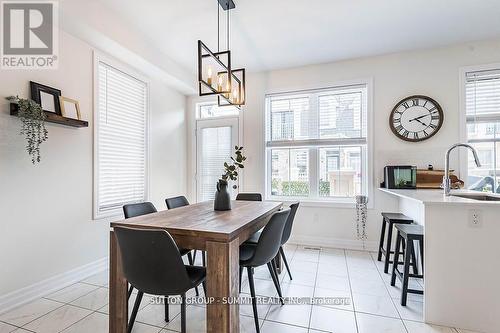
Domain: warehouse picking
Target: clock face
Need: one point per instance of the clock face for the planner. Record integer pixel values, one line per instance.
(416, 118)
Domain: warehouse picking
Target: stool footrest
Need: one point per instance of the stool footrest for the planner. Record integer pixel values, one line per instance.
(415, 291)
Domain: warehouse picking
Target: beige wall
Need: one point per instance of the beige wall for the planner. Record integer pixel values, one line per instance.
(46, 226)
(429, 72)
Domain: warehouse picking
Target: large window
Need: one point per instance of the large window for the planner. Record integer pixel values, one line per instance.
(482, 106)
(120, 167)
(316, 144)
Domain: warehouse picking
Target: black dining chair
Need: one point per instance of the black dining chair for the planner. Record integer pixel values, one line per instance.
(254, 239)
(152, 263)
(263, 253)
(144, 208)
(249, 196)
(177, 202)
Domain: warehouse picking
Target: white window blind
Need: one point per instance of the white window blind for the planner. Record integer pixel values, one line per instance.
(482, 104)
(216, 148)
(316, 143)
(121, 140)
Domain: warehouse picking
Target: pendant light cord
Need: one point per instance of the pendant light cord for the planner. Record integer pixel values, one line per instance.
(218, 28)
(228, 11)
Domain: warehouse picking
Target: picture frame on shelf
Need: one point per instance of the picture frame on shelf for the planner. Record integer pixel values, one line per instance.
(46, 96)
(70, 108)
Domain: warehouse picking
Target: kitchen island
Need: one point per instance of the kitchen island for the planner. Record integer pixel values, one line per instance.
(461, 256)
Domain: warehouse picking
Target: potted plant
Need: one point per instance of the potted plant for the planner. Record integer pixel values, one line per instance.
(222, 197)
(33, 125)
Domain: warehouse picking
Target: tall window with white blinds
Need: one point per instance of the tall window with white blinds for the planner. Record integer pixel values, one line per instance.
(482, 106)
(317, 144)
(120, 141)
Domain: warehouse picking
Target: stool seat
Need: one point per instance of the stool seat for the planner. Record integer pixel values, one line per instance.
(396, 217)
(411, 231)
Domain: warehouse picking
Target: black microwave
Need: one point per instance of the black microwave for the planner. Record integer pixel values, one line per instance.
(400, 177)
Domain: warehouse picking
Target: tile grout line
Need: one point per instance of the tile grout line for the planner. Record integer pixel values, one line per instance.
(62, 304)
(387, 289)
(350, 289)
(314, 289)
(269, 309)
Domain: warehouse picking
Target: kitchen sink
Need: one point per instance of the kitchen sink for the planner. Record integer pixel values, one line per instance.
(479, 197)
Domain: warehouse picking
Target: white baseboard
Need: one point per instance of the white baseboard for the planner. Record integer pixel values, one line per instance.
(328, 242)
(43, 288)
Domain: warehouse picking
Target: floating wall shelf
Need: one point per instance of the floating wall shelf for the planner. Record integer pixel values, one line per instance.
(53, 118)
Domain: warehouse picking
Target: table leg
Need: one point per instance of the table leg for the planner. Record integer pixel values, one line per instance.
(279, 265)
(118, 304)
(223, 282)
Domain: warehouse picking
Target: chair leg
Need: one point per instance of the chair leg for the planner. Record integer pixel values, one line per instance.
(270, 266)
(241, 276)
(381, 244)
(167, 317)
(204, 285)
(191, 262)
(183, 313)
(130, 290)
(421, 246)
(396, 259)
(388, 249)
(282, 252)
(194, 256)
(404, 292)
(254, 301)
(134, 311)
(414, 263)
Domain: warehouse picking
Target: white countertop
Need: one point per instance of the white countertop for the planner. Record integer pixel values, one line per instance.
(437, 197)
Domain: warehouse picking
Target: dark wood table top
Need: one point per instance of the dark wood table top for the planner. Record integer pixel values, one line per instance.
(200, 220)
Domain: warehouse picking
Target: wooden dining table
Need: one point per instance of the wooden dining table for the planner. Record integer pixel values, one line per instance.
(199, 227)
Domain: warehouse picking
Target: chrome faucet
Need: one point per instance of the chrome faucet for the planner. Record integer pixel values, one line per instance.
(446, 178)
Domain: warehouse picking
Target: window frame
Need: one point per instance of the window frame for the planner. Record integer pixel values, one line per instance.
(200, 104)
(98, 57)
(463, 154)
(314, 165)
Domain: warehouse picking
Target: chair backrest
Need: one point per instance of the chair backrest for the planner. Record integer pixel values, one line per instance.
(176, 202)
(138, 209)
(270, 239)
(289, 223)
(151, 261)
(249, 196)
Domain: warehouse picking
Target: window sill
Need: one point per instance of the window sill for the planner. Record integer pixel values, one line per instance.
(339, 203)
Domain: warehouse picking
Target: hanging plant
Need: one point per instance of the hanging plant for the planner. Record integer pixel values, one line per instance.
(33, 125)
(361, 215)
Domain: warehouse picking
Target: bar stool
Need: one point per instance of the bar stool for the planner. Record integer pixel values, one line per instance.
(408, 233)
(390, 219)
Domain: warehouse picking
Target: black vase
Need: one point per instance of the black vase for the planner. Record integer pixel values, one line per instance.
(222, 197)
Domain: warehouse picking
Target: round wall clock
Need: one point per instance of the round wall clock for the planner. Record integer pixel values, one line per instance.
(416, 118)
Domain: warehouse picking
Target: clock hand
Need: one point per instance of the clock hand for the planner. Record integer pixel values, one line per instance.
(425, 115)
(421, 122)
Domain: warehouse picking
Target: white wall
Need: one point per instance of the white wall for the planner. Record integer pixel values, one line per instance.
(430, 72)
(46, 227)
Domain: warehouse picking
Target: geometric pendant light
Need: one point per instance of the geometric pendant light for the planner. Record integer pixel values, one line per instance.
(215, 74)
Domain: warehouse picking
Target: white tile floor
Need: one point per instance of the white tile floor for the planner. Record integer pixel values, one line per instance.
(374, 305)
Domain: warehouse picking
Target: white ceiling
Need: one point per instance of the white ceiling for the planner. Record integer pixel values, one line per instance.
(276, 34)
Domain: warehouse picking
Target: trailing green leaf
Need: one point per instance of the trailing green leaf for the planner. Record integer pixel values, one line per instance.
(32, 125)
